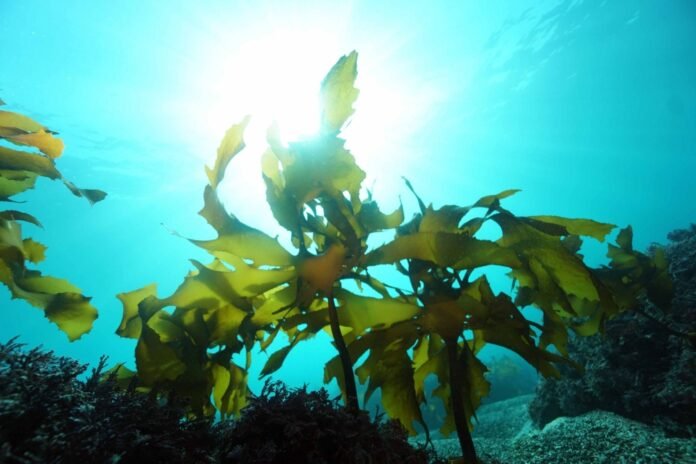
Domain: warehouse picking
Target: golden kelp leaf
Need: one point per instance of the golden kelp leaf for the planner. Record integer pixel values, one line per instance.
(239, 239)
(173, 328)
(374, 284)
(588, 227)
(572, 243)
(130, 322)
(209, 290)
(221, 382)
(438, 365)
(224, 324)
(505, 326)
(374, 220)
(93, 196)
(15, 123)
(321, 166)
(356, 349)
(445, 250)
(632, 274)
(624, 259)
(214, 211)
(538, 287)
(321, 272)
(14, 182)
(625, 238)
(11, 215)
(267, 338)
(36, 283)
(338, 93)
(419, 246)
(270, 305)
(445, 318)
(546, 254)
(232, 143)
(156, 361)
(72, 312)
(11, 242)
(61, 301)
(123, 376)
(389, 368)
(23, 161)
(567, 270)
(445, 219)
(522, 344)
(341, 222)
(243, 282)
(428, 358)
(275, 360)
(554, 332)
(421, 204)
(230, 391)
(493, 201)
(283, 206)
(473, 225)
(592, 323)
(314, 318)
(44, 141)
(659, 285)
(362, 312)
(24, 131)
(34, 251)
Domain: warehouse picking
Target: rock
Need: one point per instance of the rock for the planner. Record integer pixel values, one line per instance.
(598, 437)
(594, 437)
(638, 369)
(502, 419)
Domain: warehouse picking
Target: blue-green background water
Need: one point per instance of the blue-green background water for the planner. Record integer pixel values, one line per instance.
(587, 106)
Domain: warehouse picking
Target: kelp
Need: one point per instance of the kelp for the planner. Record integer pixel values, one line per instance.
(35, 149)
(190, 342)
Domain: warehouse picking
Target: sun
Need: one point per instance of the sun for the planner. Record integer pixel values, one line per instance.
(274, 75)
(273, 78)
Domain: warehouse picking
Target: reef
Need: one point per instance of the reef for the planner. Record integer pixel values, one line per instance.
(51, 412)
(505, 434)
(283, 425)
(643, 367)
(47, 414)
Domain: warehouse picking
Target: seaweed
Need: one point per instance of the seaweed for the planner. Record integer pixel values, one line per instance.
(51, 412)
(255, 288)
(283, 425)
(48, 413)
(35, 150)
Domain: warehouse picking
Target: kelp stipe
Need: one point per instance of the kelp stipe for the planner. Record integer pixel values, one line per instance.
(35, 150)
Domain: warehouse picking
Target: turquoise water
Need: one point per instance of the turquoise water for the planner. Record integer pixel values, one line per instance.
(588, 107)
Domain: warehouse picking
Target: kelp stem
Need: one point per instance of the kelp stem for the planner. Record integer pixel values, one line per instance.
(346, 363)
(456, 387)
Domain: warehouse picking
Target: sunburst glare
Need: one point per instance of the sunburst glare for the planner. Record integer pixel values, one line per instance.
(276, 77)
